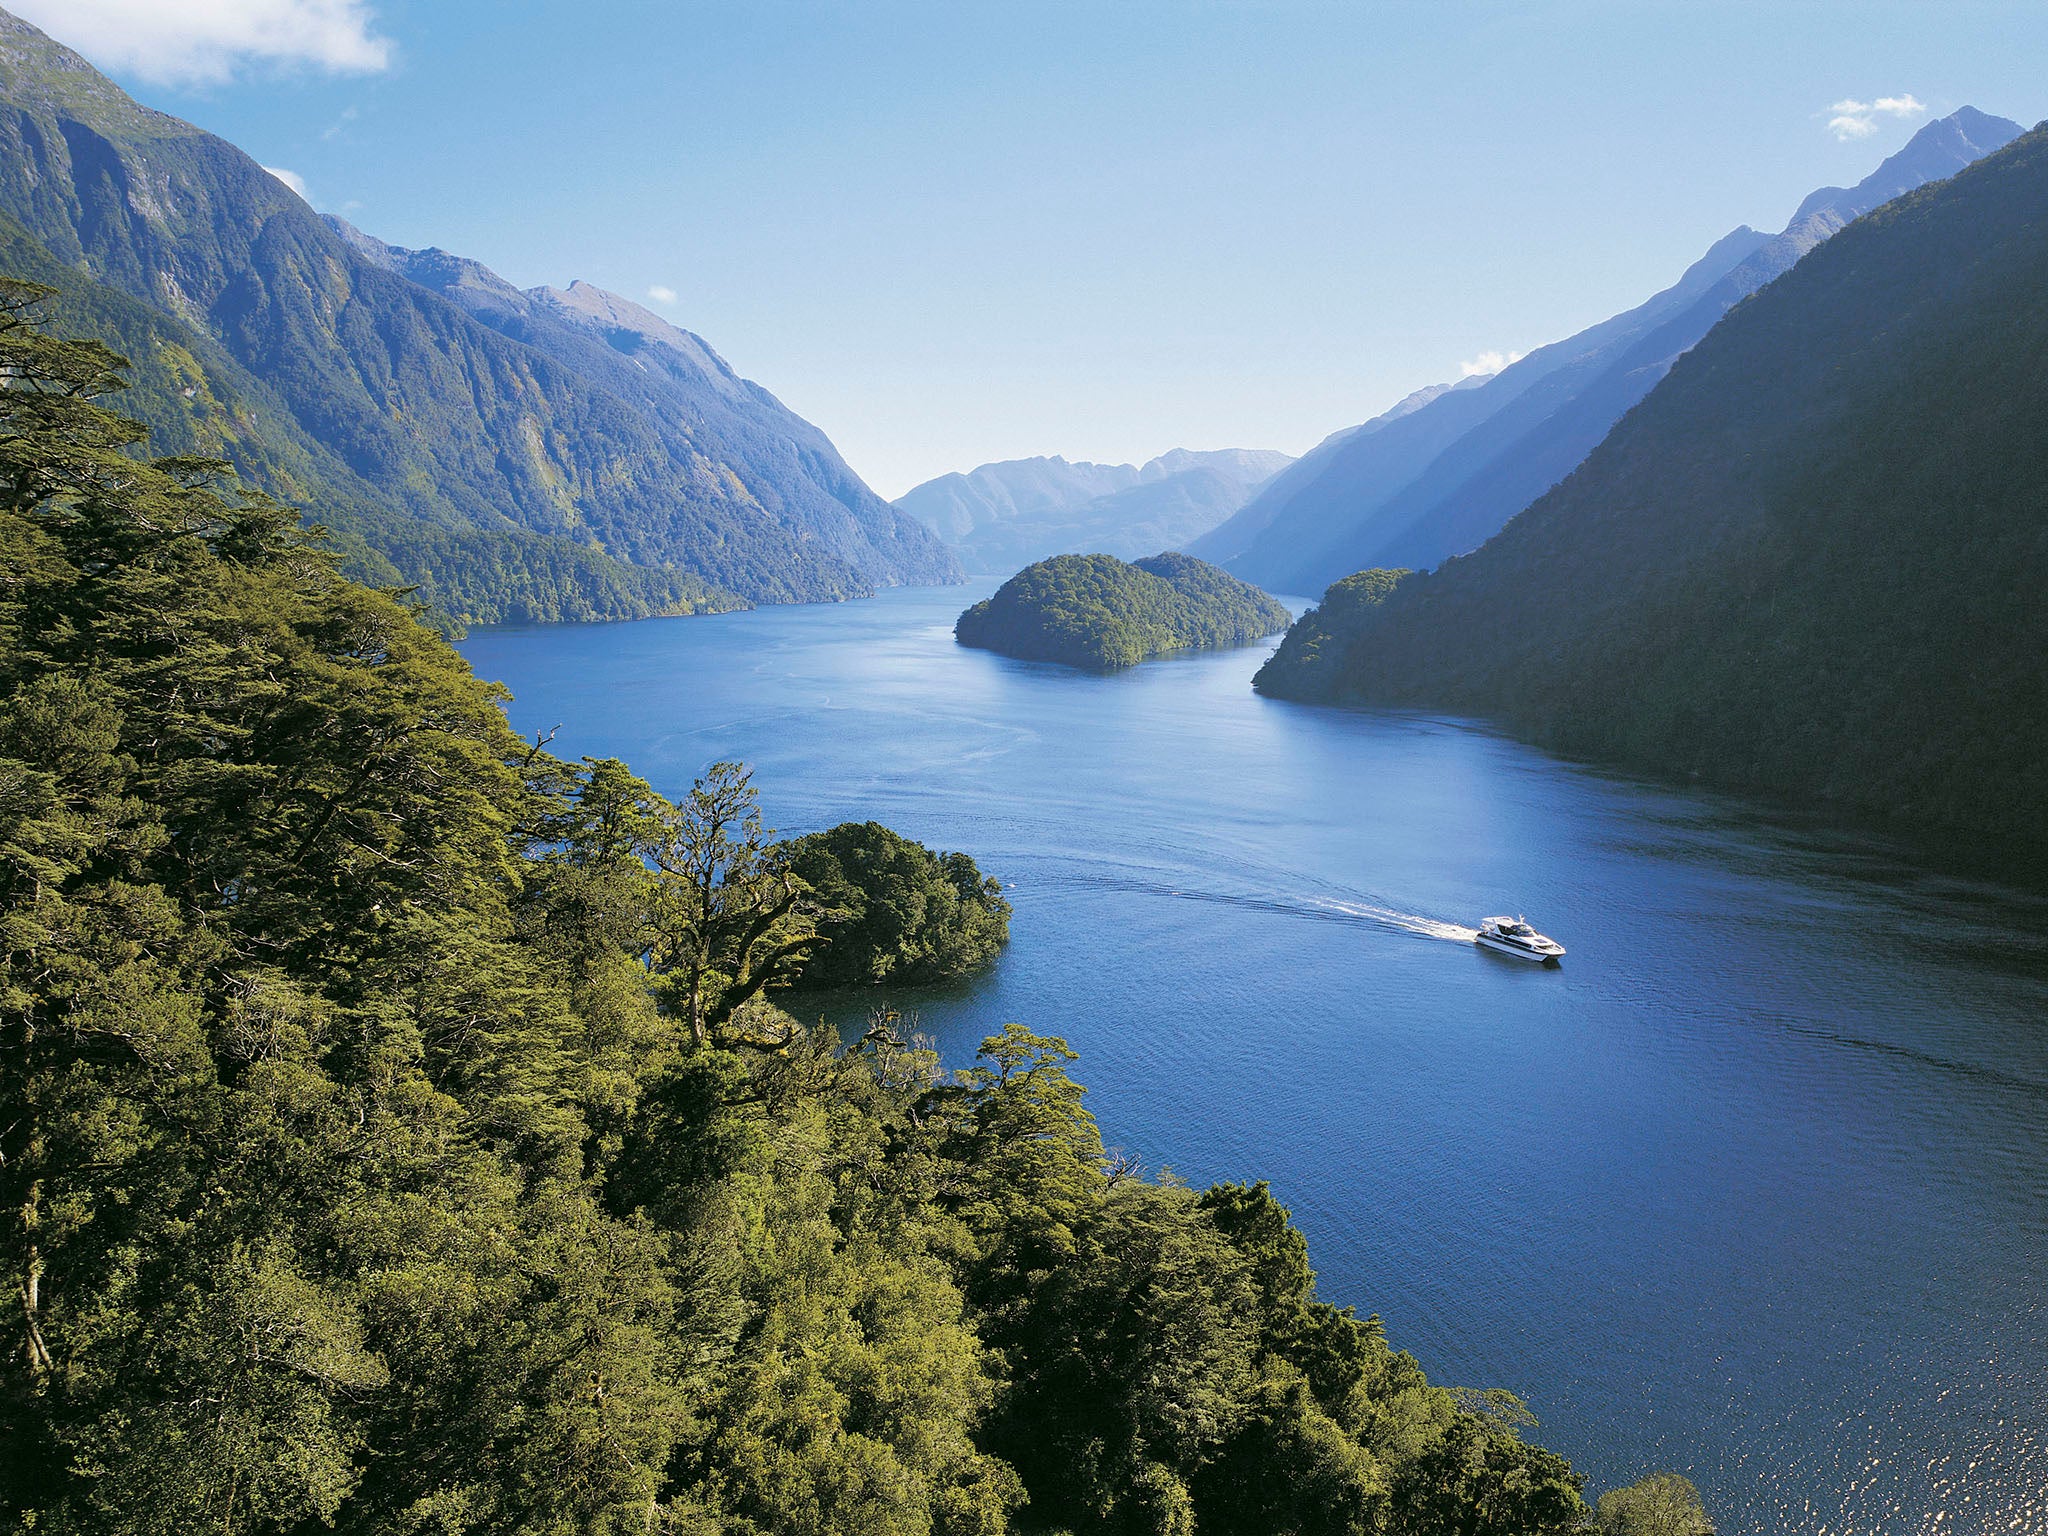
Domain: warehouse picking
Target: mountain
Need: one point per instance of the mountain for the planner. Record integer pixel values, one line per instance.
(1236, 534)
(1458, 469)
(1809, 562)
(540, 478)
(1004, 516)
(1097, 611)
(198, 400)
(692, 395)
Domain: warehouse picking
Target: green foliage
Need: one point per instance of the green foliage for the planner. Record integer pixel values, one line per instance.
(395, 1135)
(1662, 1504)
(1314, 643)
(1804, 564)
(898, 912)
(1098, 611)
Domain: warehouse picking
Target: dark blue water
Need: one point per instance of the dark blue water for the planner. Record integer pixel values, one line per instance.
(1754, 1187)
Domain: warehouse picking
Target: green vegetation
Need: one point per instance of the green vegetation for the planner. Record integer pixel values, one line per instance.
(197, 400)
(1314, 643)
(1663, 1504)
(397, 1133)
(897, 911)
(1807, 563)
(1098, 611)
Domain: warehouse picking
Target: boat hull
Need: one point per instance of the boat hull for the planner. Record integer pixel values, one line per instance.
(1503, 947)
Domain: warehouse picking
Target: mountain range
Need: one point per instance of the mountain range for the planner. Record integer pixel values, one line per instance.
(1001, 517)
(1441, 479)
(1810, 561)
(518, 454)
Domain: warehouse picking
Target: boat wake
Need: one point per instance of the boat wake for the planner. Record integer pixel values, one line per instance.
(1406, 922)
(1336, 909)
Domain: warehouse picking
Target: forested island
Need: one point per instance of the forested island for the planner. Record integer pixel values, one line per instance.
(1806, 563)
(398, 1132)
(1099, 611)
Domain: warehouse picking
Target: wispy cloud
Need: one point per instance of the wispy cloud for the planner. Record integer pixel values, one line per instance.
(291, 179)
(661, 294)
(203, 42)
(1852, 119)
(339, 126)
(1486, 363)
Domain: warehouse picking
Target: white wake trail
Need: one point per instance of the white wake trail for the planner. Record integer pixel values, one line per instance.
(1406, 922)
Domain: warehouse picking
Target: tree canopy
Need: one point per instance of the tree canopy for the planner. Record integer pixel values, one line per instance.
(895, 910)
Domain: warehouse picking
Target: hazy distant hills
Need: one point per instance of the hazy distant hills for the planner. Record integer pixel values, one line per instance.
(1410, 447)
(521, 456)
(1443, 479)
(1003, 516)
(1811, 560)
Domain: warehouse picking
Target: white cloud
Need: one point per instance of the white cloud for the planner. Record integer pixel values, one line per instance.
(200, 42)
(1487, 363)
(1852, 119)
(291, 179)
(661, 294)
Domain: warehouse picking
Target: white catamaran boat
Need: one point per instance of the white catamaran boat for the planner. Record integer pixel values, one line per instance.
(1512, 936)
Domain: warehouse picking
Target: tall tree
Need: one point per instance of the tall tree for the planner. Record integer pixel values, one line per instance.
(731, 918)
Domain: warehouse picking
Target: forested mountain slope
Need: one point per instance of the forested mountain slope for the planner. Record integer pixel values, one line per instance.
(1530, 432)
(1810, 561)
(1001, 517)
(1455, 509)
(1237, 533)
(454, 427)
(397, 1133)
(197, 399)
(694, 399)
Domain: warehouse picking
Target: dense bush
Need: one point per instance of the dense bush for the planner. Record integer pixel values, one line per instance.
(898, 911)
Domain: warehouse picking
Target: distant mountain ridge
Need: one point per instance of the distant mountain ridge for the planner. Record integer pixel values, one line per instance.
(1809, 562)
(1006, 515)
(1448, 476)
(537, 475)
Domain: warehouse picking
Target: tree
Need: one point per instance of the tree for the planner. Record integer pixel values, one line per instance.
(900, 912)
(731, 918)
(1662, 1504)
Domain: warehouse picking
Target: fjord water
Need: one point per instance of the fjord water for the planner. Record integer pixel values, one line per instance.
(1754, 1187)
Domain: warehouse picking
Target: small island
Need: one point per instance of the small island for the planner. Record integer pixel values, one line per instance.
(1099, 611)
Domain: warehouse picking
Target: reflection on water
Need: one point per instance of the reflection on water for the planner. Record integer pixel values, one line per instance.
(1754, 1187)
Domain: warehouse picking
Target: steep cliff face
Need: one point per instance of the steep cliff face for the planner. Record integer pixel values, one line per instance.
(695, 401)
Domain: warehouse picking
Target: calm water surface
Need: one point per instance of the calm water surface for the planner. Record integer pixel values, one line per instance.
(1754, 1187)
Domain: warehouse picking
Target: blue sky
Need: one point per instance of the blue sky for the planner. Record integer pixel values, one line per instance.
(957, 231)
